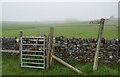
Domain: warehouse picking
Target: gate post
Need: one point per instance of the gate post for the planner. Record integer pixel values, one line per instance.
(51, 43)
(20, 45)
(50, 48)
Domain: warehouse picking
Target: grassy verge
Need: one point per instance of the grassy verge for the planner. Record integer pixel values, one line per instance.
(11, 67)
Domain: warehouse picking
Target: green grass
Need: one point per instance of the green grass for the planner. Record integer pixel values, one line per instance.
(65, 29)
(11, 67)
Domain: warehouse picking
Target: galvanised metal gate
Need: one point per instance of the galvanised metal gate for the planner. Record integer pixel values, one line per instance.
(33, 52)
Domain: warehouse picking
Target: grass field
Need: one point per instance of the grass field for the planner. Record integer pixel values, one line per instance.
(11, 67)
(81, 30)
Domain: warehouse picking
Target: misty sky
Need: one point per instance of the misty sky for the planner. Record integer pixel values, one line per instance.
(57, 11)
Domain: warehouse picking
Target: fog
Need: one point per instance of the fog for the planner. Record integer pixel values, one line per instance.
(57, 11)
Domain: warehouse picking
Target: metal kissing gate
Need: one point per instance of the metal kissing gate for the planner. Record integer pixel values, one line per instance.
(33, 52)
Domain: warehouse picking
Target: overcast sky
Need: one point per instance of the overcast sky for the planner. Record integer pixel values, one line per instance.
(57, 11)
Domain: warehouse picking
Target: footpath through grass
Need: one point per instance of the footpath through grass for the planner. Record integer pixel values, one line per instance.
(10, 66)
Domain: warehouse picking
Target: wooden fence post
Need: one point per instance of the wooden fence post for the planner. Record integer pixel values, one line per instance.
(101, 27)
(51, 43)
(50, 48)
(21, 33)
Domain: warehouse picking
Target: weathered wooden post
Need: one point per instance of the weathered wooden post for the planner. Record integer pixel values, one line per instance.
(101, 27)
(67, 65)
(50, 48)
(21, 33)
(51, 43)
